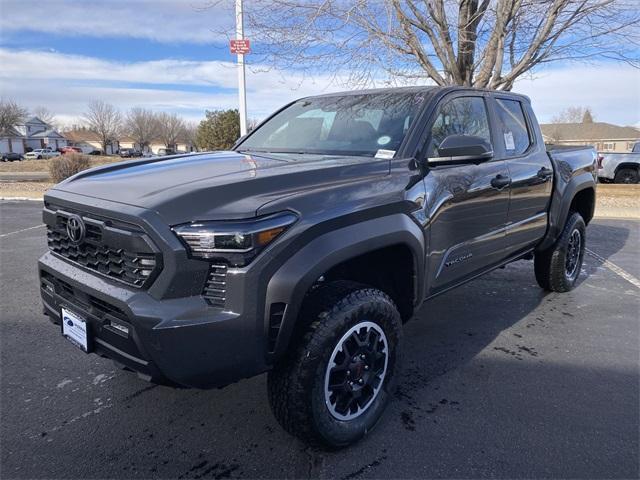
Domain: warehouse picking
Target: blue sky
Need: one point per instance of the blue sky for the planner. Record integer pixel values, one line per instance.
(166, 55)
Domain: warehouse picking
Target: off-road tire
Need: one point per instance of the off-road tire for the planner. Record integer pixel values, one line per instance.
(551, 265)
(627, 175)
(296, 386)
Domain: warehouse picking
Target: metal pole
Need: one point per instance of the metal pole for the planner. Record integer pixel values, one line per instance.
(241, 80)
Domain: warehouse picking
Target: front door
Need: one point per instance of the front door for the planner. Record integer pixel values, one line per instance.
(530, 170)
(466, 205)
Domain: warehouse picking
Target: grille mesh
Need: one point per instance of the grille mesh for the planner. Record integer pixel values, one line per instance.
(124, 255)
(215, 290)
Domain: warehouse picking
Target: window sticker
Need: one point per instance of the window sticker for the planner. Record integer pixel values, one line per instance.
(385, 154)
(383, 140)
(509, 143)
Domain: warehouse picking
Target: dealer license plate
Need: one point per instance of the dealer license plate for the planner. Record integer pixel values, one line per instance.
(75, 329)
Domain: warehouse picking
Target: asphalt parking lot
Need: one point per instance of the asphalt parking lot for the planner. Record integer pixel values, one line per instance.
(500, 380)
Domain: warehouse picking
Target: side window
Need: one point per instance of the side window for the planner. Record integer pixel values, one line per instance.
(514, 131)
(459, 116)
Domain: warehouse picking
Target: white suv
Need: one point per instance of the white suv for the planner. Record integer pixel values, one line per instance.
(41, 153)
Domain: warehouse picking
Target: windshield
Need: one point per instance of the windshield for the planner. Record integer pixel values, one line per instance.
(339, 125)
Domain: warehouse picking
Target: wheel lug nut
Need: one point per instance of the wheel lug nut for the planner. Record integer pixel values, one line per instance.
(348, 373)
(366, 367)
(361, 381)
(363, 356)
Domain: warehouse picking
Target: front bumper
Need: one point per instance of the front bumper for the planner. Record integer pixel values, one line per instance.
(182, 341)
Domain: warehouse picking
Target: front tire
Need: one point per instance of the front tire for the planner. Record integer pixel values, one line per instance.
(338, 379)
(557, 268)
(627, 175)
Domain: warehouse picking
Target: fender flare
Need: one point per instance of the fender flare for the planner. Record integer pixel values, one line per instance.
(561, 200)
(295, 277)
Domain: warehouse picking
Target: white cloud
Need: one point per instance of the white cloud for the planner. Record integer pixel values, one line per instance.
(166, 21)
(612, 91)
(66, 83)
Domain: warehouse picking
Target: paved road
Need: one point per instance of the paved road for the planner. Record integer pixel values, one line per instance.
(500, 380)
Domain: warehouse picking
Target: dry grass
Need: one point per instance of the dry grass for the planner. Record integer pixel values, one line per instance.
(43, 165)
(618, 201)
(24, 189)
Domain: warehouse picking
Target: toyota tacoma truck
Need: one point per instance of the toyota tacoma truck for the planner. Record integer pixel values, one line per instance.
(303, 250)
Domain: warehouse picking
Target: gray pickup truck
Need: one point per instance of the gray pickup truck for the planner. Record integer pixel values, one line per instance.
(620, 167)
(304, 250)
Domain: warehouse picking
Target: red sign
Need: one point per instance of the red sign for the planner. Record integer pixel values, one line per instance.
(240, 47)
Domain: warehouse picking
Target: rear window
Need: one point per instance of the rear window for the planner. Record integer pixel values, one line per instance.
(512, 122)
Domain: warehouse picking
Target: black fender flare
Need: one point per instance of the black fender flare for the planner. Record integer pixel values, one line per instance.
(563, 195)
(296, 276)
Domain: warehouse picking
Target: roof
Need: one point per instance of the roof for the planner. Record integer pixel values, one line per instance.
(589, 131)
(35, 120)
(82, 136)
(50, 132)
(424, 89)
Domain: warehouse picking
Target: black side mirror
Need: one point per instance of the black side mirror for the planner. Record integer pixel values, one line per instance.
(457, 149)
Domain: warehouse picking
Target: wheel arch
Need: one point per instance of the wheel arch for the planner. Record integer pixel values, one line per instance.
(630, 165)
(332, 254)
(579, 194)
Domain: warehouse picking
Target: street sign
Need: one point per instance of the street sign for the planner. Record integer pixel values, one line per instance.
(240, 47)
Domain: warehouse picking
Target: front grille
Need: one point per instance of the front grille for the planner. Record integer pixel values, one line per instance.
(116, 249)
(215, 290)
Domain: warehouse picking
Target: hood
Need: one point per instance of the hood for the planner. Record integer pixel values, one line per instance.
(220, 185)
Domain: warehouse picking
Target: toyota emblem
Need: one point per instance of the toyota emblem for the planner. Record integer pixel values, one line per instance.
(75, 229)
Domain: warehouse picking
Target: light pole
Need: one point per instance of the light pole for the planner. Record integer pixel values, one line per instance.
(241, 77)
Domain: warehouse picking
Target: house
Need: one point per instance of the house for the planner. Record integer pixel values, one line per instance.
(90, 141)
(182, 145)
(605, 137)
(31, 135)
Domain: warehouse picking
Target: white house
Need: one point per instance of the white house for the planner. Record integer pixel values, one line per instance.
(90, 141)
(30, 135)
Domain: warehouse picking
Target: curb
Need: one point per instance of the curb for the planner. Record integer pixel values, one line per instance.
(22, 199)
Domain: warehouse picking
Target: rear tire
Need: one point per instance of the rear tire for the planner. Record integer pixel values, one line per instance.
(627, 175)
(334, 385)
(558, 268)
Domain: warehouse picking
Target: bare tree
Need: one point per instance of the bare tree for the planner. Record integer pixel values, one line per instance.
(170, 128)
(44, 114)
(11, 114)
(574, 115)
(480, 43)
(191, 133)
(105, 120)
(142, 125)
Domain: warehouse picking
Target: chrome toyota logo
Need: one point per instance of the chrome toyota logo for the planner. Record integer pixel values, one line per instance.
(75, 229)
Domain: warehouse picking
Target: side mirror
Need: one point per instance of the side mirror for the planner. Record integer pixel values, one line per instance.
(457, 149)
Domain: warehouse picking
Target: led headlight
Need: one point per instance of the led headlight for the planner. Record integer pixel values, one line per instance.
(236, 241)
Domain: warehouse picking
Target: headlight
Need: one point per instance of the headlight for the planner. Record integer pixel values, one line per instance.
(237, 241)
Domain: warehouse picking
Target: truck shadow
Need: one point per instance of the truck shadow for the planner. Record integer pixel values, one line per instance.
(232, 433)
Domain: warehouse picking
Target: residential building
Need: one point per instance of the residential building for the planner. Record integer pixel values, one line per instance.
(31, 135)
(605, 137)
(90, 141)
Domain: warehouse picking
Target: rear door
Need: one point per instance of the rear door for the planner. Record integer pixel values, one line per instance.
(466, 205)
(529, 168)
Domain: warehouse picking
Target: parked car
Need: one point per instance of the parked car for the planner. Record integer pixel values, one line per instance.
(70, 149)
(166, 151)
(304, 250)
(11, 157)
(39, 153)
(130, 153)
(619, 167)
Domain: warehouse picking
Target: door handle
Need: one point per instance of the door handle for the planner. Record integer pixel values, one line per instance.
(500, 181)
(545, 173)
